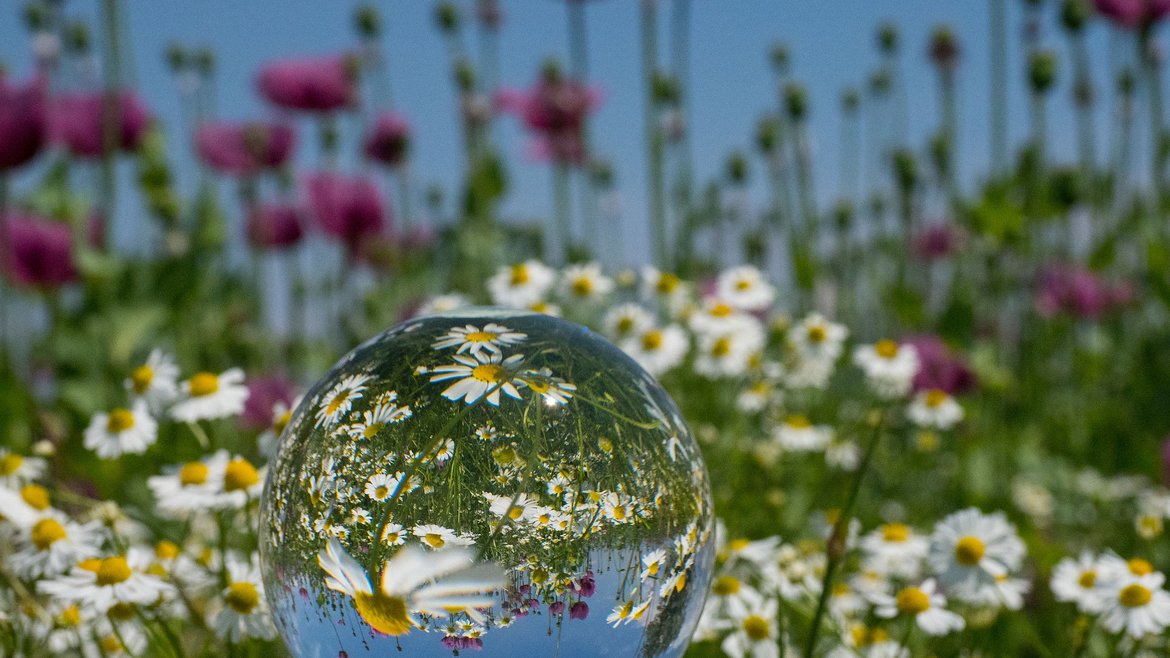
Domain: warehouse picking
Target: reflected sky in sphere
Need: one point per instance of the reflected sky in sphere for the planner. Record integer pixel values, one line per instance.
(488, 481)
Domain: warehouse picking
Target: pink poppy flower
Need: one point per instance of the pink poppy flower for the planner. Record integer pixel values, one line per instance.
(388, 141)
(77, 121)
(23, 122)
(939, 367)
(935, 242)
(244, 148)
(1079, 292)
(555, 109)
(36, 252)
(310, 84)
(348, 208)
(274, 225)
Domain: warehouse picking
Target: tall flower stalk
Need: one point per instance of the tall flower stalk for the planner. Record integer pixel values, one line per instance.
(655, 164)
(999, 86)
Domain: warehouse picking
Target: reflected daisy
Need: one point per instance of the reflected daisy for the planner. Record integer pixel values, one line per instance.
(554, 390)
(384, 413)
(481, 375)
(337, 402)
(471, 339)
(437, 537)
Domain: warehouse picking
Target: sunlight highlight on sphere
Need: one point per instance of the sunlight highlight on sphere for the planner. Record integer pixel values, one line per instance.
(492, 481)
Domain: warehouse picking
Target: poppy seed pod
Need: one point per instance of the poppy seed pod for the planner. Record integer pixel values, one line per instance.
(1074, 14)
(944, 47)
(1042, 71)
(767, 134)
(367, 22)
(796, 101)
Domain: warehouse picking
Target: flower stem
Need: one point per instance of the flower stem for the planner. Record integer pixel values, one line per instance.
(1149, 65)
(835, 551)
(654, 135)
(999, 86)
(111, 114)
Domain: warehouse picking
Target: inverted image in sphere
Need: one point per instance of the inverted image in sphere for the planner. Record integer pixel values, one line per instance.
(493, 481)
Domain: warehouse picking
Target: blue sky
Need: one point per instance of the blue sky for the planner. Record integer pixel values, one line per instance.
(832, 46)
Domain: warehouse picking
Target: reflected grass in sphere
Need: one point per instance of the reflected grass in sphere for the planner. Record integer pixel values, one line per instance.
(519, 443)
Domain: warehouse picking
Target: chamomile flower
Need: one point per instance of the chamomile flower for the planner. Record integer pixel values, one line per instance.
(1083, 580)
(798, 434)
(207, 396)
(888, 366)
(745, 288)
(237, 483)
(728, 352)
(156, 382)
(585, 282)
(245, 612)
(554, 390)
(192, 487)
(436, 537)
(658, 349)
(472, 339)
(925, 604)
(393, 534)
(121, 431)
(1137, 606)
(334, 404)
(652, 563)
(385, 412)
(970, 550)
(17, 469)
(521, 285)
(663, 287)
(53, 544)
(756, 633)
(443, 304)
(619, 508)
(518, 508)
(482, 375)
(817, 339)
(714, 316)
(626, 320)
(896, 550)
(413, 583)
(935, 409)
(102, 583)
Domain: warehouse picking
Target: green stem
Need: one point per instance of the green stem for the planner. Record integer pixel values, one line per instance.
(1154, 91)
(111, 113)
(654, 136)
(558, 250)
(999, 86)
(835, 551)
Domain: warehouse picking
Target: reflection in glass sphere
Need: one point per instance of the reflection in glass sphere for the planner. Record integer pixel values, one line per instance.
(491, 481)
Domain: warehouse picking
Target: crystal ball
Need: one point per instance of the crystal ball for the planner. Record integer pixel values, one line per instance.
(487, 480)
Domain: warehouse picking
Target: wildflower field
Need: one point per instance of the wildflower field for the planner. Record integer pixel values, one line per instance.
(322, 407)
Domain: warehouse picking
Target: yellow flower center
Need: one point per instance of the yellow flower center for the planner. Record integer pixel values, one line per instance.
(721, 310)
(652, 340)
(666, 283)
(70, 616)
(721, 347)
(336, 401)
(743, 284)
(202, 384)
(36, 496)
(863, 636)
(935, 397)
(895, 532)
(381, 491)
(119, 421)
(193, 473)
(1140, 567)
(141, 378)
(111, 644)
(372, 430)
(385, 614)
(540, 576)
(239, 475)
(969, 551)
(489, 373)
(625, 324)
(504, 455)
(619, 512)
(166, 550)
(582, 286)
(756, 628)
(886, 348)
(1087, 579)
(243, 597)
(113, 570)
(434, 540)
(1134, 596)
(515, 512)
(10, 463)
(652, 569)
(281, 422)
(121, 611)
(912, 601)
(481, 336)
(519, 275)
(798, 422)
(817, 334)
(539, 386)
(46, 532)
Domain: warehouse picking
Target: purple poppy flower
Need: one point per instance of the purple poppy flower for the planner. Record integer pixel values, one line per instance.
(23, 122)
(579, 610)
(264, 391)
(244, 148)
(1134, 13)
(348, 208)
(310, 84)
(388, 141)
(939, 367)
(36, 252)
(274, 226)
(78, 122)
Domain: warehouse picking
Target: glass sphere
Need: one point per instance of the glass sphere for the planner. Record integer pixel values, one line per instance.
(488, 480)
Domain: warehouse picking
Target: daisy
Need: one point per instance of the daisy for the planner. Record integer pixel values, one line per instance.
(413, 583)
(658, 349)
(626, 320)
(191, 487)
(934, 408)
(207, 396)
(520, 285)
(756, 633)
(237, 483)
(714, 316)
(384, 413)
(969, 550)
(663, 286)
(1137, 606)
(619, 507)
(816, 338)
(554, 390)
(925, 604)
(729, 351)
(798, 434)
(445, 451)
(121, 431)
(53, 544)
(484, 374)
(443, 304)
(652, 563)
(245, 612)
(393, 535)
(337, 402)
(437, 537)
(889, 367)
(17, 469)
(585, 282)
(156, 382)
(894, 549)
(517, 508)
(471, 339)
(102, 583)
(745, 288)
(759, 396)
(1083, 580)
